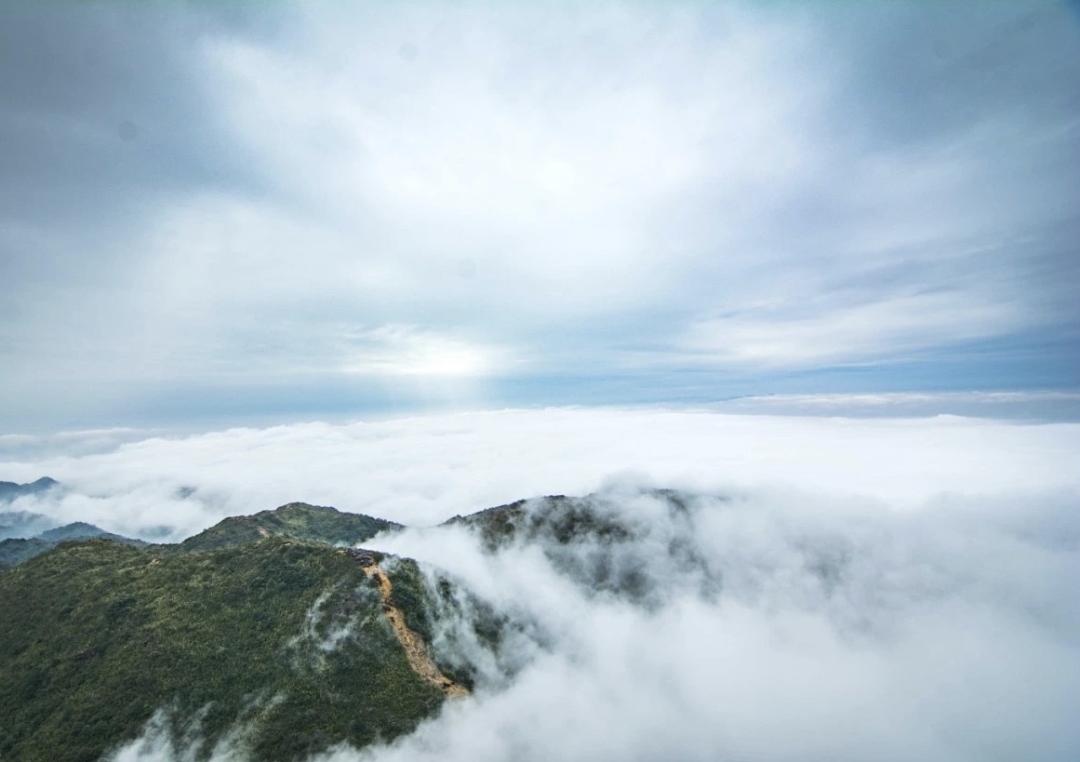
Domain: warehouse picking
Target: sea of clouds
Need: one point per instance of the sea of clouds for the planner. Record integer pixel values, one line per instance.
(422, 470)
(868, 589)
(811, 630)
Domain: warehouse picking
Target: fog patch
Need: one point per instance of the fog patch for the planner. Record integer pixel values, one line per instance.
(804, 631)
(170, 736)
(333, 618)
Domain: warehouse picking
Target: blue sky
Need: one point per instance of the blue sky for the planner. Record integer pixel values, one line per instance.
(271, 212)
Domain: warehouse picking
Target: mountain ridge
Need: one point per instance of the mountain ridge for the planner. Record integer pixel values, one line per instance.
(263, 622)
(11, 490)
(302, 521)
(16, 550)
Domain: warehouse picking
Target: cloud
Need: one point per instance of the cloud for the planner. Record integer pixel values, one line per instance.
(203, 203)
(860, 332)
(843, 588)
(832, 632)
(1023, 405)
(423, 470)
(404, 351)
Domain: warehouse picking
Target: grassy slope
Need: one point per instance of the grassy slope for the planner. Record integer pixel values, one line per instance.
(298, 520)
(97, 636)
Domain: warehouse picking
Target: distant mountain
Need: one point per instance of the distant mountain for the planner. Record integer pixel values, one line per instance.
(15, 551)
(23, 524)
(301, 521)
(555, 517)
(11, 490)
(593, 540)
(80, 530)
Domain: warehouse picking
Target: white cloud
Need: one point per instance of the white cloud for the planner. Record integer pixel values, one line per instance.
(664, 186)
(1025, 405)
(403, 351)
(422, 470)
(512, 139)
(946, 635)
(890, 328)
(881, 588)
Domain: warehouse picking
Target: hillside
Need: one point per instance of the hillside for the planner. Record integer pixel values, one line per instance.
(596, 542)
(260, 635)
(299, 521)
(286, 639)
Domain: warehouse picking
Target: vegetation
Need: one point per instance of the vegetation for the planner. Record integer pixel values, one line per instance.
(428, 600)
(257, 632)
(613, 562)
(16, 550)
(301, 521)
(280, 637)
(554, 517)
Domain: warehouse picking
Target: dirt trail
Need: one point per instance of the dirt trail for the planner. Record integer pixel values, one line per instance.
(416, 651)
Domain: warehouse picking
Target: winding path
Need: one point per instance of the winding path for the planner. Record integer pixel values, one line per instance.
(416, 651)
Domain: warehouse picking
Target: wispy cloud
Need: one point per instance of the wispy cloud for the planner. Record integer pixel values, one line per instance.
(890, 329)
(544, 191)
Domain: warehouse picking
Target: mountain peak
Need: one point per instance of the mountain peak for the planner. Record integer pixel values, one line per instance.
(12, 490)
(301, 521)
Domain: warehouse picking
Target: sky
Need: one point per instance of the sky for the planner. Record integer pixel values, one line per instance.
(275, 212)
(813, 265)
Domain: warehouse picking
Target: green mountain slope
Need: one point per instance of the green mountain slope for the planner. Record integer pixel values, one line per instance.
(260, 634)
(300, 521)
(286, 640)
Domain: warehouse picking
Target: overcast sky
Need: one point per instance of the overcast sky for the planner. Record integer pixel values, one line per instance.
(287, 211)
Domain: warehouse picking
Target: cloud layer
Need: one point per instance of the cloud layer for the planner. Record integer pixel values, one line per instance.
(423, 470)
(266, 209)
(862, 588)
(826, 634)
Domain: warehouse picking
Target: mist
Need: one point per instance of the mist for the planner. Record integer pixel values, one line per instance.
(423, 470)
(804, 631)
(832, 589)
